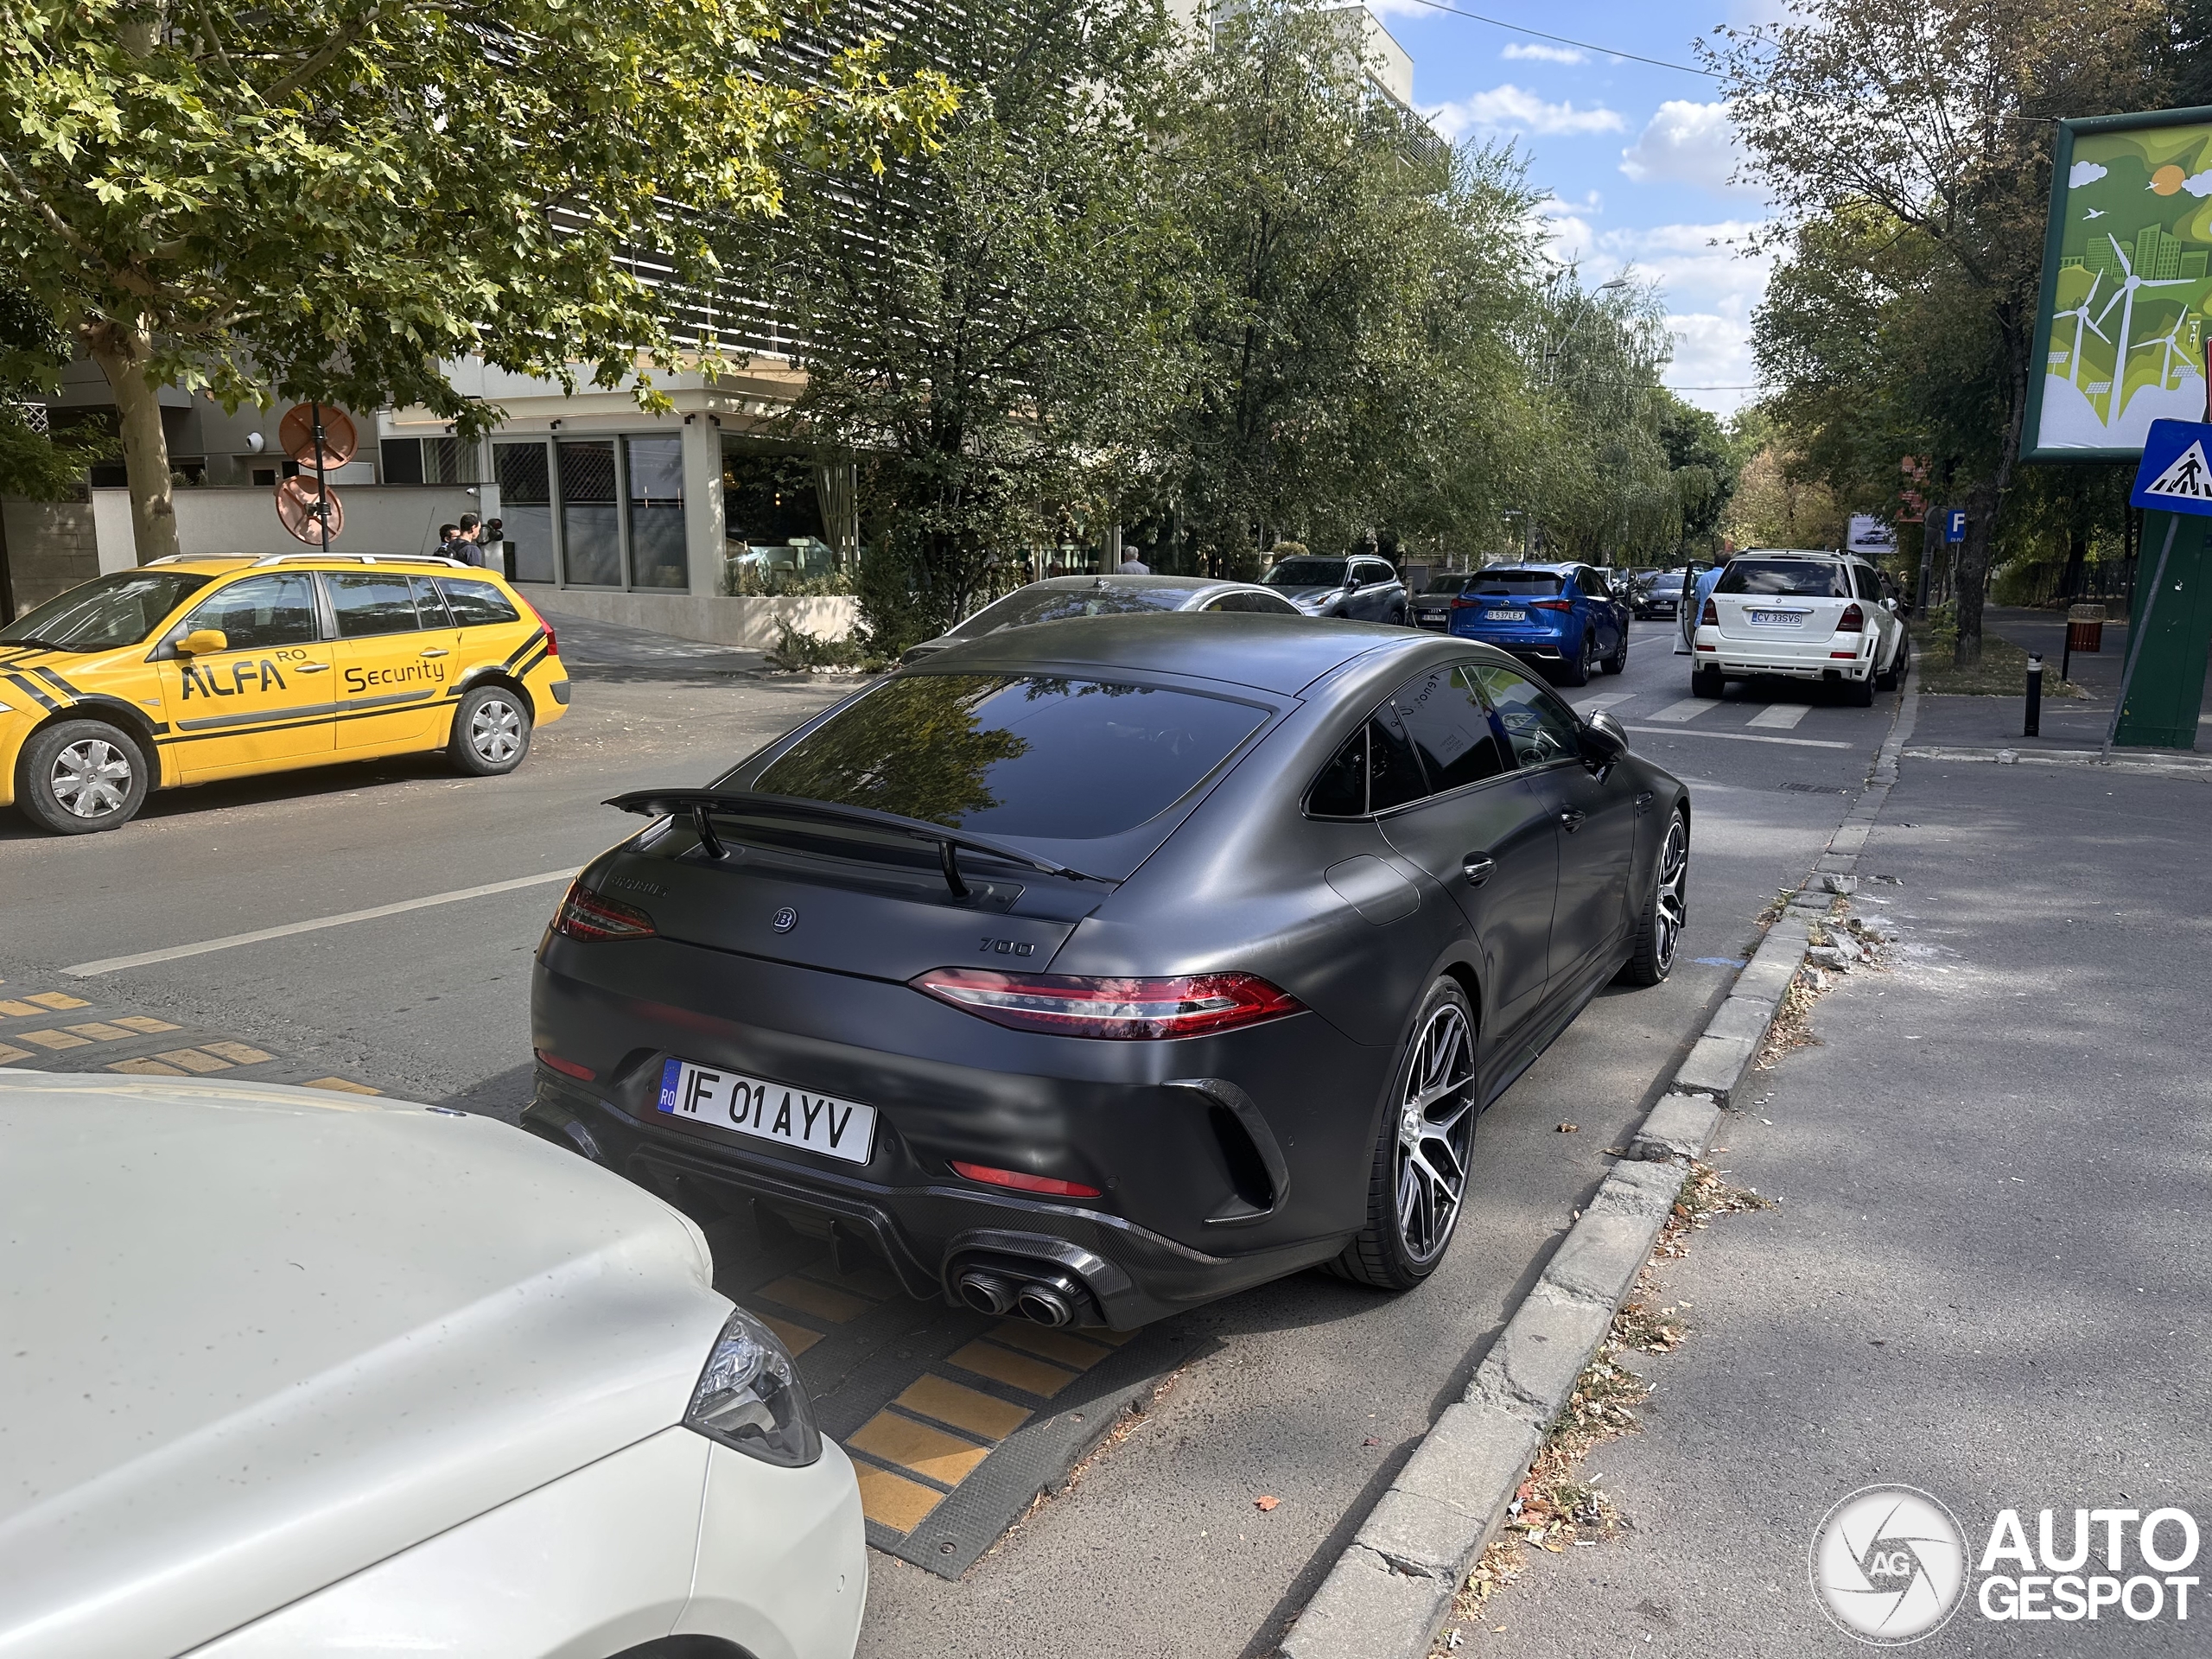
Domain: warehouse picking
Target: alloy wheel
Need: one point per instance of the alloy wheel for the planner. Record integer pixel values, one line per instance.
(1436, 1128)
(495, 730)
(1670, 894)
(90, 778)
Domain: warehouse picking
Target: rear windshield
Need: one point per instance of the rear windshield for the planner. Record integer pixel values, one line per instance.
(1450, 584)
(110, 611)
(1793, 578)
(1516, 582)
(1307, 573)
(1025, 605)
(1055, 759)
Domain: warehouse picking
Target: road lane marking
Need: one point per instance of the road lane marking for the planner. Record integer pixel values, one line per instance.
(1744, 737)
(1782, 716)
(147, 958)
(1591, 705)
(1687, 708)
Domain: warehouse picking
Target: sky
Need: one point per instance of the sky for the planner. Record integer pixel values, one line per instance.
(1635, 160)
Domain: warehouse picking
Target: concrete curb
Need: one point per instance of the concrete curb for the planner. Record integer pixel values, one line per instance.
(1391, 1590)
(2177, 767)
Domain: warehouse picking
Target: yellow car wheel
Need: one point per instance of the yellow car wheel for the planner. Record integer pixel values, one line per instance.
(80, 776)
(491, 731)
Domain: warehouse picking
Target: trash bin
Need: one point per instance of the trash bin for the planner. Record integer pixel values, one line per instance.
(2085, 628)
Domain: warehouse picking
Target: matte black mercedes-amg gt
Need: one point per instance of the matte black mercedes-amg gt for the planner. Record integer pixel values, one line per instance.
(1097, 969)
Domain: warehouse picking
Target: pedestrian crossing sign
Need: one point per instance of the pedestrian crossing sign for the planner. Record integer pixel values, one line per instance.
(2176, 475)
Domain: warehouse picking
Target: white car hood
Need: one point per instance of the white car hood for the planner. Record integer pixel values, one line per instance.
(254, 1338)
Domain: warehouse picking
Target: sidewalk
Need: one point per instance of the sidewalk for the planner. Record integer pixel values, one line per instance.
(2068, 723)
(1984, 1279)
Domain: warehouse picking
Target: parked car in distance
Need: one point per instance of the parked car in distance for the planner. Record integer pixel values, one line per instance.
(1659, 595)
(1805, 616)
(1058, 598)
(296, 1372)
(1431, 607)
(1361, 589)
(1091, 971)
(1563, 617)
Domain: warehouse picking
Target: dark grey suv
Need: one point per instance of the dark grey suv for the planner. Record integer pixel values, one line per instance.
(1361, 589)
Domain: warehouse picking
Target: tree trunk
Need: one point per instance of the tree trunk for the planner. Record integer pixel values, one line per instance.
(2077, 554)
(123, 349)
(7, 575)
(1973, 572)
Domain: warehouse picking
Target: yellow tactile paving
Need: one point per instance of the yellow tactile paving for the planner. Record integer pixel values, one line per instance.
(946, 1459)
(341, 1083)
(808, 1297)
(51, 1039)
(145, 1068)
(1048, 1344)
(9, 1056)
(1015, 1371)
(982, 1415)
(100, 1031)
(143, 1022)
(58, 1000)
(239, 1054)
(193, 1060)
(797, 1338)
(16, 1010)
(891, 1500)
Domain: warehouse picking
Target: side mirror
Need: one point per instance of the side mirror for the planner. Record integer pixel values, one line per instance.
(203, 642)
(1351, 583)
(1604, 742)
(1891, 605)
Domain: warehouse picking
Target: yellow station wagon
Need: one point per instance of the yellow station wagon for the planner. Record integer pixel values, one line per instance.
(189, 669)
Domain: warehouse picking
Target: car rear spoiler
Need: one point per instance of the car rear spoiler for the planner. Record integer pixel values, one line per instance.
(700, 805)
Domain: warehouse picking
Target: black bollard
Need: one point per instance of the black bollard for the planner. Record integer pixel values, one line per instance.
(2034, 728)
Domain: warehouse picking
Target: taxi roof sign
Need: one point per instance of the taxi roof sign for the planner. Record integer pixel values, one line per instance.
(2176, 475)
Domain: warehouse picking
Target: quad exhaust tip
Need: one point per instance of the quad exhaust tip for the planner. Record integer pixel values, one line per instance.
(1050, 1300)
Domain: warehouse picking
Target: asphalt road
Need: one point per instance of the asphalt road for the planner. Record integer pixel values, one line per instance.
(1311, 1391)
(1986, 1277)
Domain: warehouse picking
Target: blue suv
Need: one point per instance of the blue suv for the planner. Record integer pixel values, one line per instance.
(1563, 617)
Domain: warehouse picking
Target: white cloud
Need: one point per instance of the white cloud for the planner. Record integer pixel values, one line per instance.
(2084, 173)
(2197, 184)
(1685, 143)
(1509, 109)
(1537, 51)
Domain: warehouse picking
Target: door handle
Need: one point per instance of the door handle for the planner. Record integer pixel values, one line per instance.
(1478, 867)
(313, 668)
(1571, 820)
(434, 650)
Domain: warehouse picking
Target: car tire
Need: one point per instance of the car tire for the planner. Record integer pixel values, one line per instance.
(1666, 909)
(1618, 663)
(491, 731)
(1859, 694)
(1401, 618)
(1891, 678)
(1414, 1197)
(81, 776)
(1708, 683)
(1578, 671)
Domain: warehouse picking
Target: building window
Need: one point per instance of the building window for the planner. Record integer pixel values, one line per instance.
(658, 553)
(591, 526)
(526, 505)
(427, 460)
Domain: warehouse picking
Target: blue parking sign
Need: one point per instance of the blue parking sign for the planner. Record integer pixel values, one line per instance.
(1954, 525)
(2176, 475)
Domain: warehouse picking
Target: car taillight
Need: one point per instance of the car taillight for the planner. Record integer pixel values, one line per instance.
(566, 1068)
(1551, 605)
(584, 915)
(552, 645)
(1854, 620)
(1711, 618)
(1460, 601)
(1021, 1183)
(1073, 1005)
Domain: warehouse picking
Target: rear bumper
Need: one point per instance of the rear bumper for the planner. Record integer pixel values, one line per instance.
(1841, 656)
(1187, 1211)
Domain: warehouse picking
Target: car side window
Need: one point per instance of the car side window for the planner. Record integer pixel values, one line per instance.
(1443, 715)
(369, 605)
(1270, 604)
(1374, 770)
(1862, 579)
(1594, 584)
(259, 613)
(477, 604)
(1541, 728)
(427, 605)
(1374, 570)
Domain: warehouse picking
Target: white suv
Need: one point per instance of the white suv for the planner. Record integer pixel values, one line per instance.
(1810, 616)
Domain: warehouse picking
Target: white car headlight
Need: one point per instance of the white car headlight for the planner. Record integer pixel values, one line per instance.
(750, 1398)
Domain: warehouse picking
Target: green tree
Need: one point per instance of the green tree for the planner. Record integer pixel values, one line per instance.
(1907, 144)
(33, 462)
(338, 199)
(986, 318)
(1353, 287)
